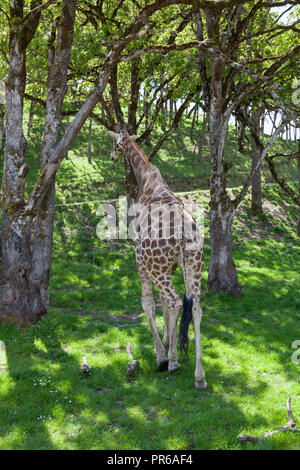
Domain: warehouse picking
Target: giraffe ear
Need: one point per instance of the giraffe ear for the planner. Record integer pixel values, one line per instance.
(112, 134)
(134, 137)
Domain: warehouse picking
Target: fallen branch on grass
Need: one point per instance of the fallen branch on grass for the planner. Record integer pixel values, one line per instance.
(290, 426)
(85, 367)
(134, 363)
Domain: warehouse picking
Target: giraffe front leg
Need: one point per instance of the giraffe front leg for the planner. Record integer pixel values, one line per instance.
(149, 309)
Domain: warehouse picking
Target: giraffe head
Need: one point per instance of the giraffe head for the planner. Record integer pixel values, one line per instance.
(118, 150)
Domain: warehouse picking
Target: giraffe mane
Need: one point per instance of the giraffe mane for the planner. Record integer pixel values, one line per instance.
(138, 149)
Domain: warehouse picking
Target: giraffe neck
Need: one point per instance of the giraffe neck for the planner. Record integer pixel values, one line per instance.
(138, 159)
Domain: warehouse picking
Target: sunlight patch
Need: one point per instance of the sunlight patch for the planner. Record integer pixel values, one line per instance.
(40, 345)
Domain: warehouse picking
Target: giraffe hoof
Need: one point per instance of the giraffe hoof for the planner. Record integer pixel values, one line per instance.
(162, 365)
(174, 367)
(200, 384)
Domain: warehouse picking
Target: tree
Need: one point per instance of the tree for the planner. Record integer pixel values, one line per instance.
(228, 81)
(25, 271)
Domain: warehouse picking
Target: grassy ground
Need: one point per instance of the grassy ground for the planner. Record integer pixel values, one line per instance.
(46, 402)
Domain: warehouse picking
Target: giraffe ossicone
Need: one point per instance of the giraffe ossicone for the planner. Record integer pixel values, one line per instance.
(166, 235)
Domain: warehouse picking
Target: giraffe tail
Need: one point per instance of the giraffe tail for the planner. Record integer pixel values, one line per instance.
(184, 323)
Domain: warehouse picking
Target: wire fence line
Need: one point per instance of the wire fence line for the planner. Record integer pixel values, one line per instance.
(182, 193)
(123, 196)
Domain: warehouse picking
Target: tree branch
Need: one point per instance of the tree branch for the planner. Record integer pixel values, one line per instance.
(164, 49)
(290, 426)
(135, 30)
(32, 13)
(282, 183)
(264, 152)
(175, 123)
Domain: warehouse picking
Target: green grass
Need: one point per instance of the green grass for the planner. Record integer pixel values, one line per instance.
(46, 402)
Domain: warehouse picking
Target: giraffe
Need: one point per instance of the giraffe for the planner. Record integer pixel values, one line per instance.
(159, 247)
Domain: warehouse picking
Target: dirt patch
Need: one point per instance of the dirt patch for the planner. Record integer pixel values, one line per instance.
(262, 228)
(119, 320)
(154, 413)
(279, 213)
(104, 389)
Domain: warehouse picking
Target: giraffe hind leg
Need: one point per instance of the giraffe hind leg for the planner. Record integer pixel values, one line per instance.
(192, 274)
(166, 315)
(200, 381)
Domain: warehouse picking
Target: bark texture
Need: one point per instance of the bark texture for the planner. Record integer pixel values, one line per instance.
(222, 273)
(20, 300)
(43, 223)
(2, 128)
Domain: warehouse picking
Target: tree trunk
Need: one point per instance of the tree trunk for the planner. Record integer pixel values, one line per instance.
(164, 117)
(236, 140)
(193, 126)
(146, 111)
(241, 137)
(298, 165)
(30, 120)
(202, 137)
(20, 300)
(90, 141)
(44, 220)
(2, 131)
(179, 136)
(222, 270)
(262, 127)
(134, 96)
(222, 273)
(171, 112)
(256, 195)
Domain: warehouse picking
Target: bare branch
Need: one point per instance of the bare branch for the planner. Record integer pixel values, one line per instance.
(281, 28)
(4, 12)
(36, 10)
(282, 183)
(174, 125)
(154, 95)
(279, 4)
(115, 95)
(290, 426)
(133, 364)
(186, 19)
(264, 152)
(158, 107)
(285, 155)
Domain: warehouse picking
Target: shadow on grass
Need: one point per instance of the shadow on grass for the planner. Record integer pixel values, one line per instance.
(266, 317)
(51, 404)
(154, 411)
